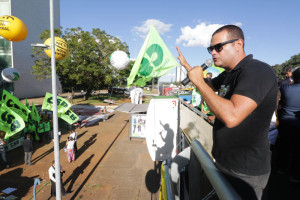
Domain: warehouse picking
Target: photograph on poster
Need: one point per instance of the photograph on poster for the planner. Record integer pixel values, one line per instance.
(137, 125)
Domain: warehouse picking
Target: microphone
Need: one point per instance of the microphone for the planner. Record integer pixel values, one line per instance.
(204, 66)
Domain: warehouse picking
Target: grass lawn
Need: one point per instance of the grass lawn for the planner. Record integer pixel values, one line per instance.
(99, 99)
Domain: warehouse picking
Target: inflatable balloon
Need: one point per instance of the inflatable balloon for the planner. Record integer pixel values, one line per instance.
(12, 28)
(61, 48)
(10, 74)
(119, 60)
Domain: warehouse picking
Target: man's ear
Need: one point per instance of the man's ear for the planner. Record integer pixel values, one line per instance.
(240, 43)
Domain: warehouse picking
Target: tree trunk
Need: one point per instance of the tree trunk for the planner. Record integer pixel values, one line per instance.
(87, 95)
(72, 95)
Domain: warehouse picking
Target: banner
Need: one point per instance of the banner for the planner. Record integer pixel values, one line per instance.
(15, 105)
(35, 114)
(10, 122)
(62, 104)
(69, 116)
(154, 60)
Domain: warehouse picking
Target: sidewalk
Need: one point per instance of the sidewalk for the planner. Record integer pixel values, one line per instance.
(108, 166)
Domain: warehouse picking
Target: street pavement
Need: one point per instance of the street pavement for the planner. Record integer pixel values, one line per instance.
(108, 165)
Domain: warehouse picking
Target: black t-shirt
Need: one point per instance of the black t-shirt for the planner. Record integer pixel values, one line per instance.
(245, 147)
(27, 145)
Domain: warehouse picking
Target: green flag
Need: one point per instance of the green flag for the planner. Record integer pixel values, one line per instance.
(154, 60)
(35, 114)
(69, 116)
(27, 104)
(10, 122)
(15, 105)
(62, 104)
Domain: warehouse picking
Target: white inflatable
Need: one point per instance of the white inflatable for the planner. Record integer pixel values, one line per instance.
(119, 60)
(10, 74)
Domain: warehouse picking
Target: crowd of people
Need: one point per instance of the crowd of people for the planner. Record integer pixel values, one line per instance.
(38, 132)
(288, 112)
(243, 100)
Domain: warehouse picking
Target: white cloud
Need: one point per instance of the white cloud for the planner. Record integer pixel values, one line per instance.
(143, 30)
(198, 36)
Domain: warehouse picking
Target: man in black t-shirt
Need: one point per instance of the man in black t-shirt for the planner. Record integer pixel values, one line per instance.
(243, 108)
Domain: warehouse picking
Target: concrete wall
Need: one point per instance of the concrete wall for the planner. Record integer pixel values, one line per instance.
(36, 15)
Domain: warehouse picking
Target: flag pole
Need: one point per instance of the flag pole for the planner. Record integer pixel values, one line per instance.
(54, 106)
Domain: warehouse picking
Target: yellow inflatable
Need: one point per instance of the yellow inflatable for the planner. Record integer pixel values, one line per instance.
(12, 28)
(61, 48)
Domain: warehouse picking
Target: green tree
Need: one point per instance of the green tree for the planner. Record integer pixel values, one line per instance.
(293, 62)
(87, 67)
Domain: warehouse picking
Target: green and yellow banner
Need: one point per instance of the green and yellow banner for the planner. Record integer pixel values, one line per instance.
(10, 122)
(15, 105)
(62, 104)
(69, 116)
(163, 185)
(154, 60)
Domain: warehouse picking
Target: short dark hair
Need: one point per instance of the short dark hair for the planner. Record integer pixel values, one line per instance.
(209, 73)
(296, 75)
(234, 32)
(288, 69)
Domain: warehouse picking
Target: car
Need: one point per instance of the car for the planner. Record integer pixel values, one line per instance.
(117, 90)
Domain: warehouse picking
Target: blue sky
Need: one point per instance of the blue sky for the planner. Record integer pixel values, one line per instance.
(271, 28)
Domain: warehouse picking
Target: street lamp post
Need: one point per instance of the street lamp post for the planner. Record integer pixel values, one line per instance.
(54, 106)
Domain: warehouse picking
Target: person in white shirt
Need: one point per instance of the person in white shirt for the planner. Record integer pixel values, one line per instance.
(74, 136)
(70, 149)
(51, 172)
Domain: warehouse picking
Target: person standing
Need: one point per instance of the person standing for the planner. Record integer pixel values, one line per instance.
(244, 106)
(196, 99)
(74, 136)
(3, 152)
(287, 143)
(288, 77)
(28, 150)
(70, 149)
(51, 172)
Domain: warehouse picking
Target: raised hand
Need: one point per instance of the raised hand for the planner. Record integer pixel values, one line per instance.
(182, 60)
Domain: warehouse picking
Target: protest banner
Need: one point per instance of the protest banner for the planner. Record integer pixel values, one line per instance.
(10, 122)
(62, 104)
(69, 116)
(15, 105)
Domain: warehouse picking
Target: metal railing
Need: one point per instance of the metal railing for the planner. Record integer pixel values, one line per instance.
(222, 187)
(170, 192)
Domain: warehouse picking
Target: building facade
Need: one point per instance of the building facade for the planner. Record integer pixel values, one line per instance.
(180, 74)
(36, 16)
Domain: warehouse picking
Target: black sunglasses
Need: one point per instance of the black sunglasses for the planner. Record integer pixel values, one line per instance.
(219, 47)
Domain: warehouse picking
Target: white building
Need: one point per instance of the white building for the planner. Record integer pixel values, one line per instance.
(180, 73)
(36, 16)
